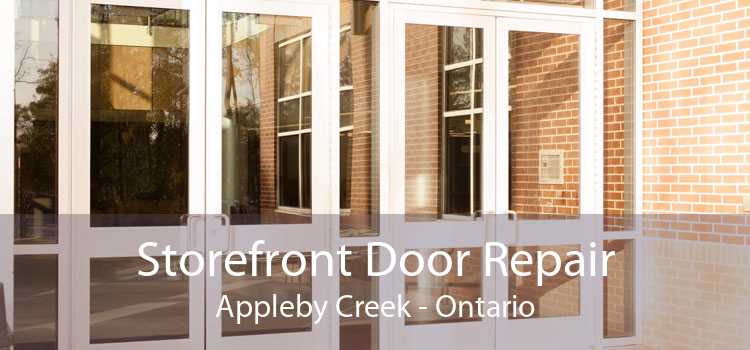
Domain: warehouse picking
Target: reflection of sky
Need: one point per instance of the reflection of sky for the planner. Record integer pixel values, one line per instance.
(36, 40)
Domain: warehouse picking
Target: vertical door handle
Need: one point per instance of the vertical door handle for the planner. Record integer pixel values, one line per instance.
(231, 237)
(6, 334)
(188, 219)
(514, 216)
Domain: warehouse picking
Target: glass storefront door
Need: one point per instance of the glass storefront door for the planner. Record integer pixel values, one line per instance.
(547, 174)
(138, 174)
(268, 163)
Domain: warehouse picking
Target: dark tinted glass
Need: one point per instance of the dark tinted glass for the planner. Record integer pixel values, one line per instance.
(36, 108)
(458, 159)
(289, 195)
(139, 117)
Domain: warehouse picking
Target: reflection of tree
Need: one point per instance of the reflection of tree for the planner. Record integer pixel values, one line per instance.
(139, 156)
(36, 141)
(241, 109)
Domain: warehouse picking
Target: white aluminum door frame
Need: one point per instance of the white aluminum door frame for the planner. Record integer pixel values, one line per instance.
(7, 149)
(572, 331)
(282, 237)
(442, 233)
(90, 242)
(62, 247)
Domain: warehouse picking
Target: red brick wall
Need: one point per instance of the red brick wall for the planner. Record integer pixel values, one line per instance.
(423, 111)
(544, 96)
(696, 118)
(696, 165)
(268, 122)
(364, 192)
(618, 126)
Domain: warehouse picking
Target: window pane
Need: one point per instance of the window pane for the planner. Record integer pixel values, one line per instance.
(289, 115)
(139, 116)
(425, 289)
(477, 154)
(458, 164)
(262, 288)
(289, 166)
(359, 173)
(345, 57)
(618, 125)
(307, 64)
(560, 296)
(306, 112)
(154, 308)
(442, 176)
(358, 333)
(36, 105)
(458, 43)
(35, 303)
(619, 290)
(544, 125)
(458, 91)
(266, 71)
(346, 108)
(289, 69)
(306, 161)
(345, 160)
(478, 82)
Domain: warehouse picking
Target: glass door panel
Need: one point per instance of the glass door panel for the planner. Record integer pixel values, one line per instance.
(547, 146)
(440, 173)
(138, 174)
(267, 142)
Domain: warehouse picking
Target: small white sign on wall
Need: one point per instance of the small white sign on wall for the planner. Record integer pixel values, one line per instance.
(552, 167)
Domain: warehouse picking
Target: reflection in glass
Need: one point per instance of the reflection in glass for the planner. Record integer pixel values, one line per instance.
(559, 296)
(457, 153)
(458, 92)
(619, 290)
(358, 132)
(153, 308)
(289, 69)
(263, 288)
(443, 153)
(35, 109)
(289, 115)
(139, 115)
(620, 5)
(544, 125)
(425, 289)
(289, 189)
(35, 302)
(458, 42)
(619, 105)
(345, 162)
(358, 333)
(267, 121)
